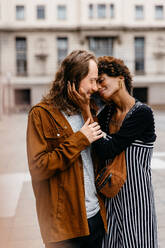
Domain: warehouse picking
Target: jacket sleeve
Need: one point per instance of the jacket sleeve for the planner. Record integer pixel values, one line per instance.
(44, 164)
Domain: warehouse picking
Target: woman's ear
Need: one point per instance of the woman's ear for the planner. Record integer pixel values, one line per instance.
(121, 81)
(121, 77)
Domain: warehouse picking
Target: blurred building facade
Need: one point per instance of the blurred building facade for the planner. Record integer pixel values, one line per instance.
(36, 35)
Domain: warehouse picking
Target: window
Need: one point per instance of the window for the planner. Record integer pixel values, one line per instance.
(101, 46)
(112, 11)
(90, 11)
(61, 12)
(141, 94)
(62, 48)
(22, 97)
(101, 10)
(139, 55)
(20, 12)
(159, 12)
(21, 56)
(41, 12)
(139, 12)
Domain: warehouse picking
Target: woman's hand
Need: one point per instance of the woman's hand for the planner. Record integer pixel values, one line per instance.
(92, 131)
(82, 100)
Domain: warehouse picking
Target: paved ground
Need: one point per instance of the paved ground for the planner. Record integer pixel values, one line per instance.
(18, 221)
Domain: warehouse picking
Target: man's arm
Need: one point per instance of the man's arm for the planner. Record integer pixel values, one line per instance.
(44, 164)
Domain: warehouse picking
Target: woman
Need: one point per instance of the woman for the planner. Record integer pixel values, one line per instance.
(130, 127)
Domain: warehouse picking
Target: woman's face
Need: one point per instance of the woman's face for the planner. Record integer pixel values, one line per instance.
(108, 86)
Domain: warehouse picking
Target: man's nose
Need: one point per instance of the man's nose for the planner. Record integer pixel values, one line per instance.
(98, 86)
(94, 87)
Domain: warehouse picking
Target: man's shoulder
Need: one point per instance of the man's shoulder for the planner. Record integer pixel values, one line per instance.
(46, 113)
(42, 107)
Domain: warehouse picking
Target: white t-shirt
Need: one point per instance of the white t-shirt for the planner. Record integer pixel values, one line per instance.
(91, 200)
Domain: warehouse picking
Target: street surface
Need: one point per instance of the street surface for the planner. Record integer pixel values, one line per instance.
(18, 220)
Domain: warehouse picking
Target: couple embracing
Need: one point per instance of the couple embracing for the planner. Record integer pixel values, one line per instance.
(62, 131)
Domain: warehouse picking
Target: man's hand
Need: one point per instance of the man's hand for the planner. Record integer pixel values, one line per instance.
(92, 131)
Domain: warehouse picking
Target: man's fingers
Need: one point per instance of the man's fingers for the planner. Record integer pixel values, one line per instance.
(98, 137)
(98, 132)
(92, 133)
(97, 128)
(94, 124)
(87, 122)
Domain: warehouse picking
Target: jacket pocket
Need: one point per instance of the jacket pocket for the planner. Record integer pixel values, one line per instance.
(54, 137)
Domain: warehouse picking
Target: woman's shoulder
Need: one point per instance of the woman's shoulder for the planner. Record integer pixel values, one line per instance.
(140, 110)
(143, 107)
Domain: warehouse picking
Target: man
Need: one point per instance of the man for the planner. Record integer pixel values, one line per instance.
(70, 212)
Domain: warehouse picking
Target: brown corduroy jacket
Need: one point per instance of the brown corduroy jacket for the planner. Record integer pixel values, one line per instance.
(56, 169)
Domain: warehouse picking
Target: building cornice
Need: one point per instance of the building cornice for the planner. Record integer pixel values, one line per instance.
(121, 28)
(83, 28)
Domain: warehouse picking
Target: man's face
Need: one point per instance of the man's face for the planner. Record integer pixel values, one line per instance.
(88, 85)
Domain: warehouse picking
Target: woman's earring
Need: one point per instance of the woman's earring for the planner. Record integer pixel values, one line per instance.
(120, 83)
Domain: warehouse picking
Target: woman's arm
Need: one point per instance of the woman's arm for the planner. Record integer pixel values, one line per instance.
(133, 128)
(80, 100)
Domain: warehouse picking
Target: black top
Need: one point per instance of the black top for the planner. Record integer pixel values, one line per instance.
(138, 124)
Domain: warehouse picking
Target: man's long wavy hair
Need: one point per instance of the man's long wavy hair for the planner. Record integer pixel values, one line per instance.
(73, 68)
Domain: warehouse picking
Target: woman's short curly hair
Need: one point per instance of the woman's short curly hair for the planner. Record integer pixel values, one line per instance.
(114, 67)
